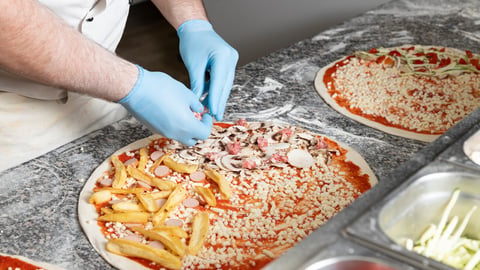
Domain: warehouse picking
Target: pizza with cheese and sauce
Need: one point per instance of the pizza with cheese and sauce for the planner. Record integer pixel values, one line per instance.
(417, 92)
(237, 200)
(17, 262)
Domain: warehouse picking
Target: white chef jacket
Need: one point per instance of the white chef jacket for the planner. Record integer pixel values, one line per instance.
(35, 118)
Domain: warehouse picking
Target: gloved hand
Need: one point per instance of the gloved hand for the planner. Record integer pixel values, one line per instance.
(166, 106)
(203, 51)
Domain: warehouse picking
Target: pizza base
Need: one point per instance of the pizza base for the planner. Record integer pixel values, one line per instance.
(323, 92)
(88, 214)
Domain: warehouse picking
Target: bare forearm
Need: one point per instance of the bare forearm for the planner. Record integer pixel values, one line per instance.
(36, 44)
(178, 11)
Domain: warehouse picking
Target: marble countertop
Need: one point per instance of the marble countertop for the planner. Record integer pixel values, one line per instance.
(38, 200)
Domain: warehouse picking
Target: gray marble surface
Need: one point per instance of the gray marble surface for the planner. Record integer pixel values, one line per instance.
(38, 200)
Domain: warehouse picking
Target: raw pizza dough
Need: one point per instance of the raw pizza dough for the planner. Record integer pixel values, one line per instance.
(323, 92)
(88, 214)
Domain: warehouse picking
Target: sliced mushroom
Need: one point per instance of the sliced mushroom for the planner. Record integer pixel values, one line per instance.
(247, 151)
(305, 136)
(231, 162)
(273, 148)
(254, 125)
(188, 154)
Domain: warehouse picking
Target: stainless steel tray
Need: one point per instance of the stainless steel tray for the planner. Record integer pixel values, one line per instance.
(407, 211)
(459, 153)
(351, 263)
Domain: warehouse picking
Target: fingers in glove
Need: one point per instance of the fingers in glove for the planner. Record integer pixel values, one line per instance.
(221, 82)
(197, 78)
(201, 129)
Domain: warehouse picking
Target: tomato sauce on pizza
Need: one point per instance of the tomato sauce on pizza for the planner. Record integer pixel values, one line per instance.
(11, 263)
(270, 186)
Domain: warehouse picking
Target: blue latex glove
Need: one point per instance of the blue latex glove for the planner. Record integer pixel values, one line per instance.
(166, 106)
(203, 51)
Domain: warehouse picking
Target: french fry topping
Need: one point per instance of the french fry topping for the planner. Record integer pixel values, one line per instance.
(176, 197)
(133, 249)
(120, 173)
(207, 195)
(151, 180)
(172, 243)
(128, 217)
(142, 161)
(100, 197)
(127, 206)
(248, 206)
(179, 167)
(199, 232)
(223, 185)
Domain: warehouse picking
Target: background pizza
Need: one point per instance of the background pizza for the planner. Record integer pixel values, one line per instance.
(417, 92)
(275, 185)
(15, 262)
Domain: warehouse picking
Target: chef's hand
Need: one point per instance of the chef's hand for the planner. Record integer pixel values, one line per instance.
(204, 51)
(166, 106)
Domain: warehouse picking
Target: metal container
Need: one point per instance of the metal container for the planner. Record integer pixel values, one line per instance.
(419, 201)
(471, 147)
(408, 214)
(351, 263)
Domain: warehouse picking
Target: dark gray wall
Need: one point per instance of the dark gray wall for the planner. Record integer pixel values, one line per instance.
(258, 27)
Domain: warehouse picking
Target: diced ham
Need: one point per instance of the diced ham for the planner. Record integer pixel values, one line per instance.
(287, 132)
(197, 176)
(191, 202)
(278, 157)
(242, 122)
(212, 155)
(321, 144)
(249, 164)
(233, 148)
(262, 143)
(197, 115)
(161, 171)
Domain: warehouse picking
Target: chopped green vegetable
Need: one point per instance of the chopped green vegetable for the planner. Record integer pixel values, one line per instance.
(426, 61)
